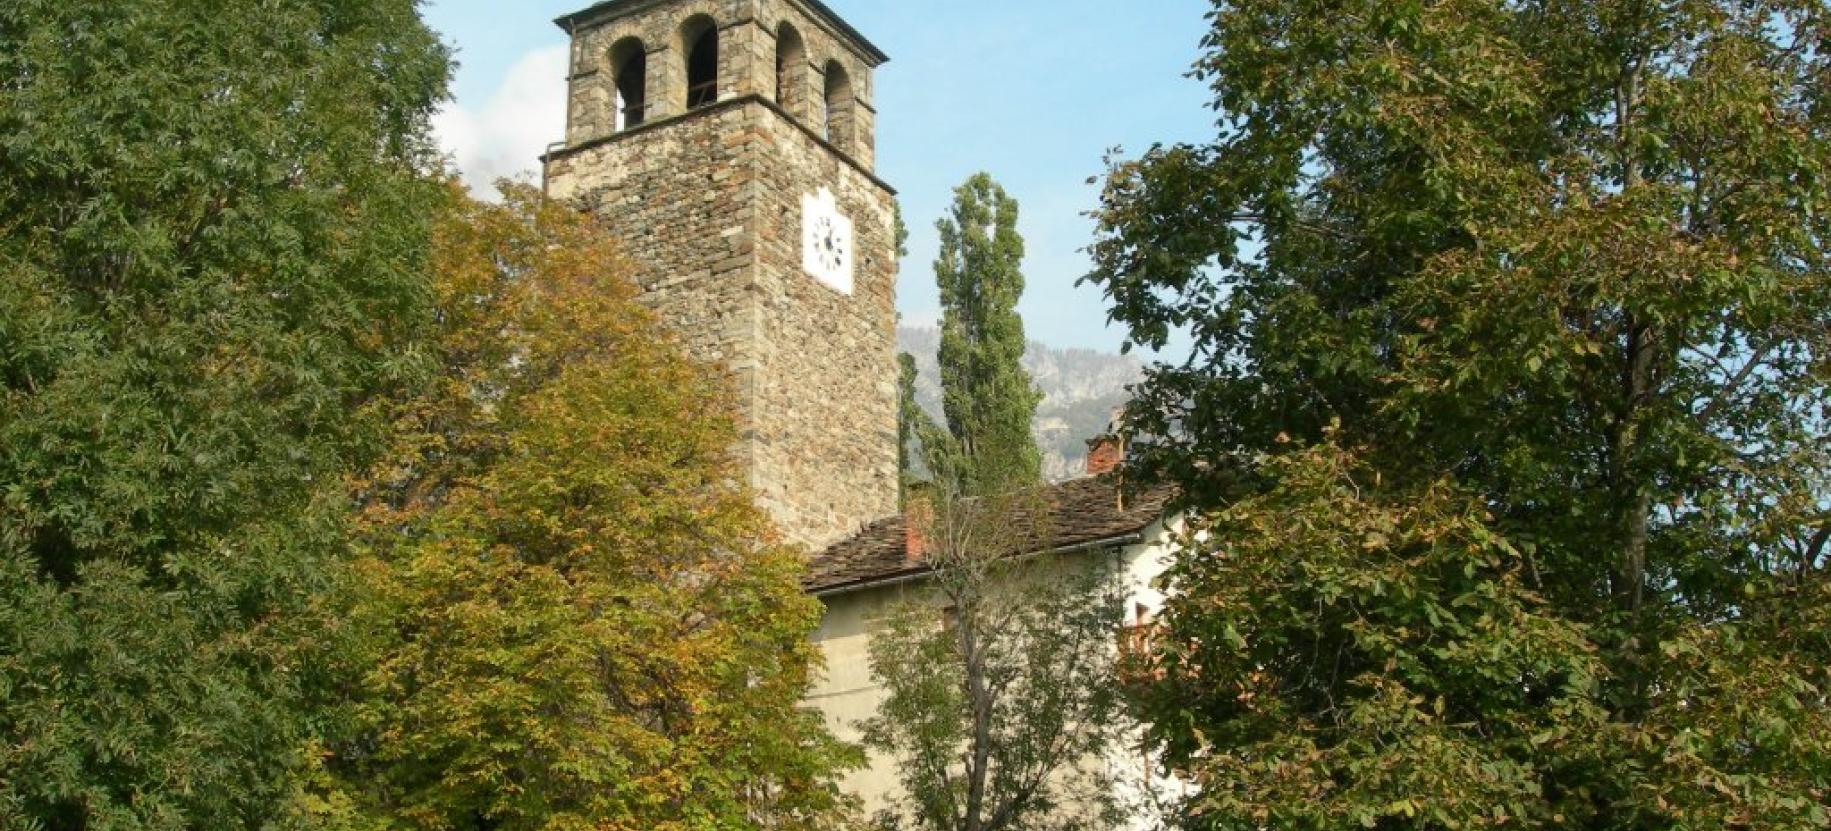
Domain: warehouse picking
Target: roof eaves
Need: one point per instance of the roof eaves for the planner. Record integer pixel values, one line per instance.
(608, 9)
(918, 572)
(876, 56)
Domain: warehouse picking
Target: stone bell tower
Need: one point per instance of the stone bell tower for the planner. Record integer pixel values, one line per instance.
(728, 144)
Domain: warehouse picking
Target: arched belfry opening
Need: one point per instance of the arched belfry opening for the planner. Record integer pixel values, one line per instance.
(837, 126)
(629, 76)
(700, 37)
(791, 66)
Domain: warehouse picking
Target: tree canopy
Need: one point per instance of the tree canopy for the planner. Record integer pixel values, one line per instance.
(986, 395)
(1506, 415)
(214, 235)
(1001, 710)
(588, 624)
(1000, 717)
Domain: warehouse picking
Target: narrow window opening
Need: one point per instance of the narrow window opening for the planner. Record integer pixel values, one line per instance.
(838, 125)
(629, 62)
(791, 61)
(702, 68)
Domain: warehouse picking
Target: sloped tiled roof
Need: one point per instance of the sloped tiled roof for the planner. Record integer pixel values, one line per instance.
(1081, 511)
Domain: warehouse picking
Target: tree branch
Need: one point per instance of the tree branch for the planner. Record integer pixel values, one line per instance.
(1754, 362)
(1303, 225)
(1815, 550)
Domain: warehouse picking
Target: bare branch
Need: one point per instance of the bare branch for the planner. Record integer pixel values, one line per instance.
(1815, 550)
(1303, 225)
(1754, 362)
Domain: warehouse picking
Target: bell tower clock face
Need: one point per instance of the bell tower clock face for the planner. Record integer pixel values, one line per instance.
(826, 241)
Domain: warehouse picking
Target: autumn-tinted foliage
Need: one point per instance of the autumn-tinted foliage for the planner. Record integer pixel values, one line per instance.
(213, 225)
(1507, 416)
(587, 622)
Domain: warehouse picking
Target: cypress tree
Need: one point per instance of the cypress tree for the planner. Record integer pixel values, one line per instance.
(987, 396)
(907, 413)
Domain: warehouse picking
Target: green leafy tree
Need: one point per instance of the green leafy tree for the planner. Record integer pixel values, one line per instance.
(1505, 418)
(586, 622)
(988, 398)
(1001, 705)
(1001, 710)
(214, 233)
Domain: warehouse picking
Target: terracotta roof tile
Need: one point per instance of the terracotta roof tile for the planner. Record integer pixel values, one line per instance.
(1083, 511)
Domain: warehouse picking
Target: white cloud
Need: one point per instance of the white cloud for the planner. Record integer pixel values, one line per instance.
(506, 135)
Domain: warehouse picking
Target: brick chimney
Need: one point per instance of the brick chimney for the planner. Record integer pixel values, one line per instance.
(918, 515)
(1105, 454)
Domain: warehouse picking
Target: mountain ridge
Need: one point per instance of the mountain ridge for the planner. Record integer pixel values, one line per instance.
(1081, 390)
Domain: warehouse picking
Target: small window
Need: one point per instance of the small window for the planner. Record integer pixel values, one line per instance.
(701, 37)
(1138, 643)
(629, 74)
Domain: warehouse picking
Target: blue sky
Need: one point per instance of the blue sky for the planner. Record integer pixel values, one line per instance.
(1032, 91)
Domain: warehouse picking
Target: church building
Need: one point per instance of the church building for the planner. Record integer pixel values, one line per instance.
(729, 145)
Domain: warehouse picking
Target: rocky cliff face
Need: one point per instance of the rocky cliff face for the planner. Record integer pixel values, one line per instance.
(1081, 388)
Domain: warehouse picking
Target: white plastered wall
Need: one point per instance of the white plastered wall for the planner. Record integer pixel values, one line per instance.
(846, 694)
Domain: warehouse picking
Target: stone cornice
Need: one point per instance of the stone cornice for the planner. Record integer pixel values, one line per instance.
(726, 104)
(613, 9)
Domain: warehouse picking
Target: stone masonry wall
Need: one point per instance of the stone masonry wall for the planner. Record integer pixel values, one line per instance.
(747, 58)
(675, 195)
(707, 205)
(827, 384)
(708, 208)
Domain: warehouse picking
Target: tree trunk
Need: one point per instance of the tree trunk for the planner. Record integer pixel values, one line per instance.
(981, 739)
(1634, 503)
